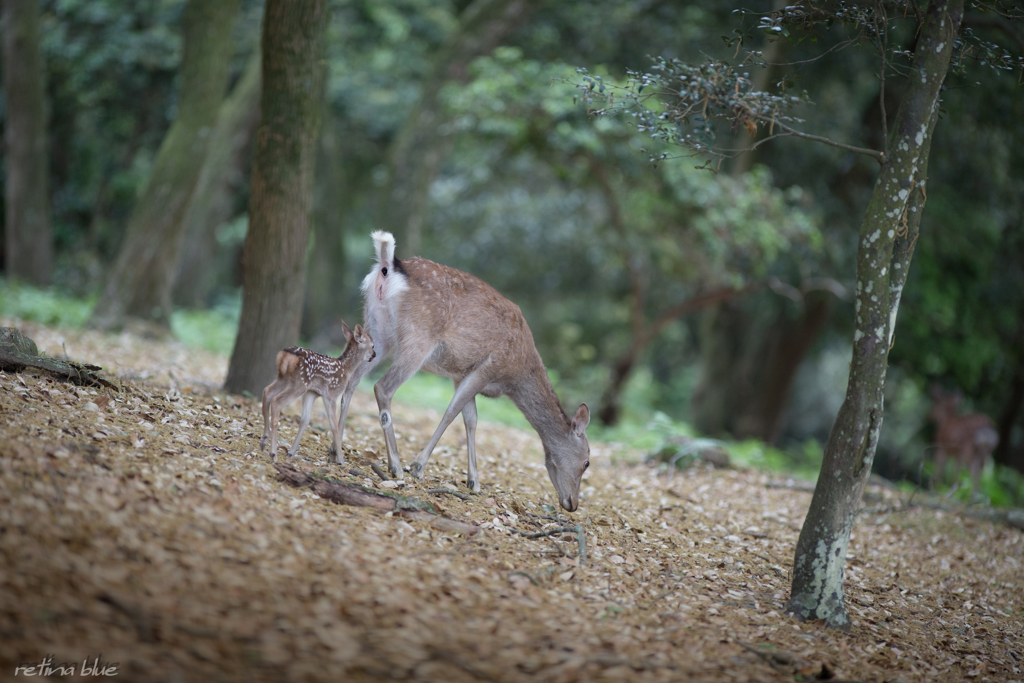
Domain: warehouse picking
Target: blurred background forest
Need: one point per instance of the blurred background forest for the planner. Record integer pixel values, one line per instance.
(677, 299)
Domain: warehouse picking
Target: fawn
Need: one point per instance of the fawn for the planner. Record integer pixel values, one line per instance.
(301, 372)
(444, 321)
(970, 439)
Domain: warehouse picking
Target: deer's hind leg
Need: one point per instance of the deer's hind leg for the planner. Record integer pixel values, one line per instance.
(467, 389)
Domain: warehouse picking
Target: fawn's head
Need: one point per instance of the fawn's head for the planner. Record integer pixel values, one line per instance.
(568, 458)
(361, 339)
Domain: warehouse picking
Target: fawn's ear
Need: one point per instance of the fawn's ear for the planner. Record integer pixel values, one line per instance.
(581, 419)
(357, 333)
(347, 332)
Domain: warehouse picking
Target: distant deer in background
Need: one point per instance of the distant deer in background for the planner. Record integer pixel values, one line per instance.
(970, 438)
(450, 323)
(305, 373)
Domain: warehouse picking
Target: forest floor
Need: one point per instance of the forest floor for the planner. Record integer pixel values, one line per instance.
(142, 533)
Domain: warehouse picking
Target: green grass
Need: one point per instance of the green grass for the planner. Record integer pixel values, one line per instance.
(211, 329)
(424, 390)
(44, 306)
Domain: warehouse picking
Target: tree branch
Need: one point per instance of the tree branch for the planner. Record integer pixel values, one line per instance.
(874, 153)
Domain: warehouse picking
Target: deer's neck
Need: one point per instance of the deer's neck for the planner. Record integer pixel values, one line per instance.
(537, 400)
(346, 358)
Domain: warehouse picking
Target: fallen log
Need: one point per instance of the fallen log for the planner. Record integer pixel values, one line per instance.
(353, 494)
(18, 352)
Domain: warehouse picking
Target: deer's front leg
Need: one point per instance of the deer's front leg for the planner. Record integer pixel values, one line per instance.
(469, 417)
(404, 366)
(334, 454)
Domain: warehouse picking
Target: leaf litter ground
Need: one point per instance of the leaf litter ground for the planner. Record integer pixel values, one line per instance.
(144, 528)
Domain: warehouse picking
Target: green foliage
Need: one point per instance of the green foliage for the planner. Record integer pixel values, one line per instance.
(111, 70)
(212, 329)
(44, 306)
(546, 201)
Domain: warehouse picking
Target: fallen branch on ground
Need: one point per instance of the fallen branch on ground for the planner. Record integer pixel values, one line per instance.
(461, 496)
(581, 537)
(379, 472)
(348, 494)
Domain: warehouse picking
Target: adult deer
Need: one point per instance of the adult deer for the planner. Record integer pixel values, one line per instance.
(305, 373)
(970, 439)
(444, 321)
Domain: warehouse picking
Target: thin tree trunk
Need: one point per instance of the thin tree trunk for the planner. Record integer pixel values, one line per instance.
(140, 283)
(28, 241)
(887, 238)
(419, 149)
(223, 173)
(281, 189)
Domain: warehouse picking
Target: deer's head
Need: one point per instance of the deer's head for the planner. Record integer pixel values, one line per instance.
(568, 459)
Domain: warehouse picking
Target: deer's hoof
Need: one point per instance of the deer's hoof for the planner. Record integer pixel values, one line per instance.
(263, 445)
(474, 486)
(416, 470)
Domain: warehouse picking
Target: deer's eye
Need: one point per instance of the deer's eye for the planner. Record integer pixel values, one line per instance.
(384, 271)
(586, 465)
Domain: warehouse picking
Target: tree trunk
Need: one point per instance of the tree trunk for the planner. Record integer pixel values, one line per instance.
(140, 283)
(419, 149)
(28, 242)
(223, 174)
(888, 234)
(326, 280)
(281, 189)
(790, 341)
(644, 333)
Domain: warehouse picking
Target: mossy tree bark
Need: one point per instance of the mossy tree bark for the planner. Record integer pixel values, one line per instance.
(142, 278)
(419, 148)
(281, 189)
(28, 240)
(888, 234)
(223, 173)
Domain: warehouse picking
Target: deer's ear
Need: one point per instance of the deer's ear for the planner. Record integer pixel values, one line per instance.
(357, 333)
(347, 332)
(580, 420)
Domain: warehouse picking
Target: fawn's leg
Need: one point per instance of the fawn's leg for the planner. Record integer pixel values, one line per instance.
(469, 417)
(469, 387)
(307, 410)
(266, 417)
(278, 402)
